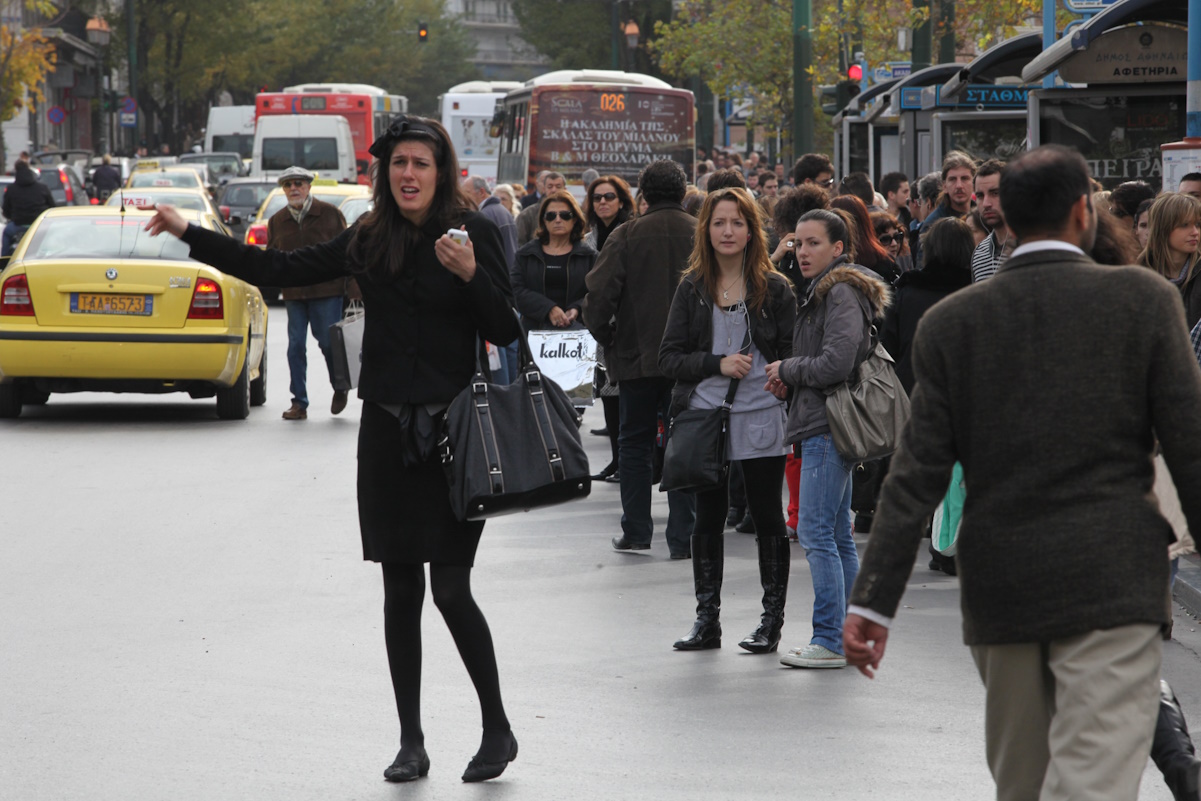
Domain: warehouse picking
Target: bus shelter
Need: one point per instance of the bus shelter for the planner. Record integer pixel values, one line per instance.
(981, 110)
(1124, 74)
(860, 146)
(904, 101)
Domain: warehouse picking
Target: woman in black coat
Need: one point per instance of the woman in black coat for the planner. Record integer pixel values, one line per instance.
(731, 316)
(548, 272)
(947, 249)
(429, 299)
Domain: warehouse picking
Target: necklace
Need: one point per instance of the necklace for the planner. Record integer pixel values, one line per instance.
(725, 293)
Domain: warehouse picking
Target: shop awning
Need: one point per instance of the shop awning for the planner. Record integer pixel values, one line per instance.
(1002, 60)
(1122, 13)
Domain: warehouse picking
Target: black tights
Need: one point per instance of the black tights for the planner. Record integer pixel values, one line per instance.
(404, 594)
(762, 478)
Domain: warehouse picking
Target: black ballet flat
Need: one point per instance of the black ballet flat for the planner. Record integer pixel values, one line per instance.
(408, 771)
(480, 771)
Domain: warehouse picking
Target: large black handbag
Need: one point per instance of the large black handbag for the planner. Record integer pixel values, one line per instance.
(512, 448)
(695, 459)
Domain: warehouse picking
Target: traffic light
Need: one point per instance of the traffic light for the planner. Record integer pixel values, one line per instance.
(423, 32)
(846, 91)
(829, 99)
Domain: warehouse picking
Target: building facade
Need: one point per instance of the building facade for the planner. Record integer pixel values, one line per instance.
(501, 54)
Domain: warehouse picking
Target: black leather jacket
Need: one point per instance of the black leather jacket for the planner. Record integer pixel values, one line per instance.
(685, 353)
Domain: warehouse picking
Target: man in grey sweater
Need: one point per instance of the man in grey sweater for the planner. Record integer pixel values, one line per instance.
(1049, 383)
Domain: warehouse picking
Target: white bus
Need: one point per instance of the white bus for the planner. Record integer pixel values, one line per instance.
(466, 111)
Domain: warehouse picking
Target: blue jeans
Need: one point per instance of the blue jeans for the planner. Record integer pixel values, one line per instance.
(12, 237)
(824, 530)
(318, 314)
(642, 400)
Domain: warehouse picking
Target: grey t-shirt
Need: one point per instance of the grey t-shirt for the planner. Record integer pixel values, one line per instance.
(757, 417)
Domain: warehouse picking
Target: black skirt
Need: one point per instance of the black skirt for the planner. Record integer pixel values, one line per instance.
(404, 512)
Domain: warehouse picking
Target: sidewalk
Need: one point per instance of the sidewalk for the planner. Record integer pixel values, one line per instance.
(1187, 590)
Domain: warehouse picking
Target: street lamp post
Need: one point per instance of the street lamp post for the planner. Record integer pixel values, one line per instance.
(631, 33)
(98, 34)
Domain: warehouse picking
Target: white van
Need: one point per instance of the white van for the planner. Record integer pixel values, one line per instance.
(230, 129)
(319, 143)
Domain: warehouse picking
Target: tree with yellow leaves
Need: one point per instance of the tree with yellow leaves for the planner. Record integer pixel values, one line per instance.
(26, 57)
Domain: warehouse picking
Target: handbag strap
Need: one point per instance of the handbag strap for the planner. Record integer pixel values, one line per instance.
(745, 347)
(550, 443)
(483, 413)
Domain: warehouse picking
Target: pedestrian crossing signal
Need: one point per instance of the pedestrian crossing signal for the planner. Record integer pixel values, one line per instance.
(423, 32)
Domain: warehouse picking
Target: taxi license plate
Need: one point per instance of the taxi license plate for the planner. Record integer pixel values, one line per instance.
(97, 303)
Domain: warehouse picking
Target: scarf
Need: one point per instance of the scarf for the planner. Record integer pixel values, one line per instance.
(298, 213)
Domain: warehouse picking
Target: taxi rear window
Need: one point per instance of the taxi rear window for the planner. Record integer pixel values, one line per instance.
(101, 238)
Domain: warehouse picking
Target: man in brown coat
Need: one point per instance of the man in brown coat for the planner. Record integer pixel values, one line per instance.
(307, 221)
(629, 295)
(1049, 383)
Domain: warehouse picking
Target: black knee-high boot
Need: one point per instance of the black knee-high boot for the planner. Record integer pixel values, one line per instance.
(1172, 749)
(775, 559)
(708, 557)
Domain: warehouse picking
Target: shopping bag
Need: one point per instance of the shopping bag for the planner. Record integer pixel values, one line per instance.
(346, 346)
(569, 359)
(944, 529)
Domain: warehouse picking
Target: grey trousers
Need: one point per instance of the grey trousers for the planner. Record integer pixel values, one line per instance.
(1071, 719)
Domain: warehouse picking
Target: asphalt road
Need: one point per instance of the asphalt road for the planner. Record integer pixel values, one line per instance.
(186, 615)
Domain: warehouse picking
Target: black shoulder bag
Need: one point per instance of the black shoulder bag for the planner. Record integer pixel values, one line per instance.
(511, 448)
(695, 459)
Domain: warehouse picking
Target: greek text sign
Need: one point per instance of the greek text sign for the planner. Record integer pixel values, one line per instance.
(1136, 54)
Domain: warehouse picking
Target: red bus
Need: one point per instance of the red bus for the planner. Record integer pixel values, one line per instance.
(368, 109)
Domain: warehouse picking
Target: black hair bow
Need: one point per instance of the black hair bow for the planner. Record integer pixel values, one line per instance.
(402, 127)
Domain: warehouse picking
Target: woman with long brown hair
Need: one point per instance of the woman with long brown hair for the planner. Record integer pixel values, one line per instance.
(1172, 247)
(731, 316)
(430, 300)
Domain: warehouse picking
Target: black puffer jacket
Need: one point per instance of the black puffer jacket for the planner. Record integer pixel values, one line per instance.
(27, 197)
(685, 353)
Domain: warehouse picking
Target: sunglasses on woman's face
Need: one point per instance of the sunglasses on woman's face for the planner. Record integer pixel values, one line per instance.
(895, 238)
(610, 196)
(562, 215)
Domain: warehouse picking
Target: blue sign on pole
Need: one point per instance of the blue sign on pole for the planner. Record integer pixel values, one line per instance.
(56, 115)
(129, 105)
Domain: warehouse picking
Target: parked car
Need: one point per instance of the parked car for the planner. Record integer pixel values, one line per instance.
(241, 197)
(224, 166)
(64, 183)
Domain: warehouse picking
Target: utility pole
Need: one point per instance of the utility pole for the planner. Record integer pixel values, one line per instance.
(922, 40)
(946, 42)
(133, 68)
(802, 82)
(615, 34)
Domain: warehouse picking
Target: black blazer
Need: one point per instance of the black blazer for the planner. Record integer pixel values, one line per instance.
(419, 340)
(529, 281)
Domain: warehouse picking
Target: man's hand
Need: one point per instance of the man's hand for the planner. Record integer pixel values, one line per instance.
(863, 643)
(167, 220)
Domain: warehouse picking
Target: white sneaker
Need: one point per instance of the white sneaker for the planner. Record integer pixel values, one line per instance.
(813, 656)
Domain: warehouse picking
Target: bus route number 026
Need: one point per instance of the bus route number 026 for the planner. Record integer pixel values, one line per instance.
(611, 101)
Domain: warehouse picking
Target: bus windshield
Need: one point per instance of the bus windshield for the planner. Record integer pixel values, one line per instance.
(234, 143)
(312, 153)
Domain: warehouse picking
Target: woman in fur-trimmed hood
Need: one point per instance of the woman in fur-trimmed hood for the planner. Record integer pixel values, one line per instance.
(832, 336)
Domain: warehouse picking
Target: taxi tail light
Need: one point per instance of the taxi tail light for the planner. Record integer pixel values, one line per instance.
(257, 235)
(14, 297)
(95, 201)
(70, 193)
(207, 302)
(224, 212)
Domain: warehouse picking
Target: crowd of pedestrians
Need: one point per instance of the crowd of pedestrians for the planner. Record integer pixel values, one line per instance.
(763, 290)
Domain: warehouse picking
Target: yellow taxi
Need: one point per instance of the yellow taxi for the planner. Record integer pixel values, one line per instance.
(90, 303)
(323, 189)
(179, 197)
(167, 177)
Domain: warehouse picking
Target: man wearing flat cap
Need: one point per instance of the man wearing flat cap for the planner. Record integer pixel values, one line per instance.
(303, 222)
